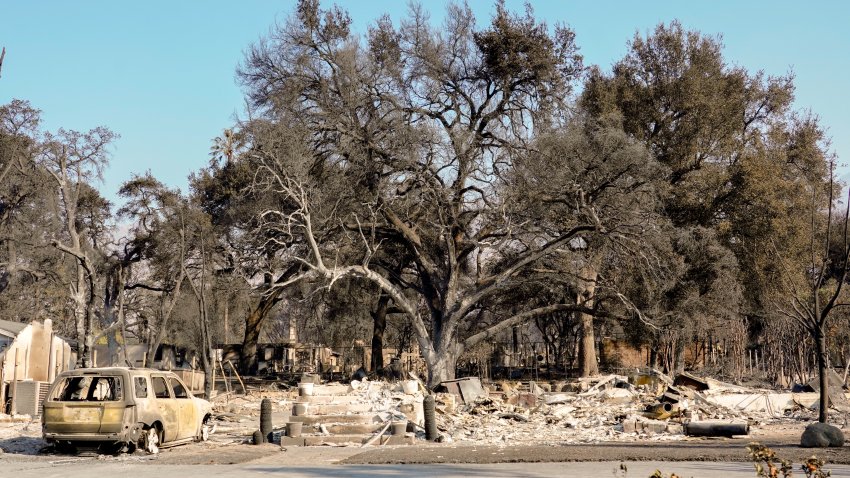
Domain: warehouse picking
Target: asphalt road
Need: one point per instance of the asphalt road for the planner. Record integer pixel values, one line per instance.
(703, 458)
(708, 450)
(530, 470)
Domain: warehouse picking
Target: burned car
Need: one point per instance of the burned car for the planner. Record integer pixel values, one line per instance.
(123, 407)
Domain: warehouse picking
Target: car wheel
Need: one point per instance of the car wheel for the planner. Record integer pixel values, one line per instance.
(151, 441)
(65, 447)
(206, 430)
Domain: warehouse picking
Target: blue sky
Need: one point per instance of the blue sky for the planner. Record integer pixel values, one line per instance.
(161, 73)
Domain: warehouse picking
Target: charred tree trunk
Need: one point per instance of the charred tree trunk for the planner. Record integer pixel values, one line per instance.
(379, 326)
(254, 320)
(820, 341)
(653, 355)
(588, 365)
(679, 354)
(253, 326)
(442, 366)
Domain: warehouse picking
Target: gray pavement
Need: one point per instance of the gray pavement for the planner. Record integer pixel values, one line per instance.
(530, 470)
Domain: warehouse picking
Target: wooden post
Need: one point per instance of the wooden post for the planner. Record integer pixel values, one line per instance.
(226, 328)
(224, 376)
(3, 384)
(51, 361)
(14, 408)
(212, 376)
(748, 367)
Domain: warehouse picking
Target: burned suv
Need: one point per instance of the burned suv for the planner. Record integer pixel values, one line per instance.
(123, 407)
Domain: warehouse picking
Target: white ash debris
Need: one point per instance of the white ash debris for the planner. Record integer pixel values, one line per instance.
(20, 434)
(556, 418)
(602, 409)
(589, 411)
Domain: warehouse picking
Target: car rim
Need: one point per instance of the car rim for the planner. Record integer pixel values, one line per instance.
(152, 441)
(205, 431)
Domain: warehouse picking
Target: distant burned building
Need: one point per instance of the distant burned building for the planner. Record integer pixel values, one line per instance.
(166, 357)
(31, 356)
(283, 357)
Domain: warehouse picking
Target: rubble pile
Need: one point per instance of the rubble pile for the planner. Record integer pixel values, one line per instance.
(533, 415)
(616, 408)
(647, 406)
(612, 408)
(328, 414)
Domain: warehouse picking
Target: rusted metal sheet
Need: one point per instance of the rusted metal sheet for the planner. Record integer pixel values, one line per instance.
(693, 382)
(468, 389)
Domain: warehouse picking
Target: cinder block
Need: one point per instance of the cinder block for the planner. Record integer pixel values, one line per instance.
(652, 427)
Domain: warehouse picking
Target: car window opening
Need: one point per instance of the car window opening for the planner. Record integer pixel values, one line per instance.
(179, 389)
(160, 389)
(141, 387)
(89, 389)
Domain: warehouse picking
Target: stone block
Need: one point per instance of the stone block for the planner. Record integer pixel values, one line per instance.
(822, 435)
(652, 427)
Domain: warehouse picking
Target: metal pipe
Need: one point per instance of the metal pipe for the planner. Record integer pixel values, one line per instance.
(266, 419)
(716, 429)
(429, 408)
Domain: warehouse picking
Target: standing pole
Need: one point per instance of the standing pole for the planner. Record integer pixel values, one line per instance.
(14, 407)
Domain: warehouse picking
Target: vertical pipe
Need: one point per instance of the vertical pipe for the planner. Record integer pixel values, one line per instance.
(266, 420)
(429, 407)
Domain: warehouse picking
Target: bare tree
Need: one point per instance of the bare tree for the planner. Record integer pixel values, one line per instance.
(815, 293)
(73, 160)
(157, 235)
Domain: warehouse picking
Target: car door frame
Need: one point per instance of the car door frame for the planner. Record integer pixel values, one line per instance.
(187, 411)
(168, 409)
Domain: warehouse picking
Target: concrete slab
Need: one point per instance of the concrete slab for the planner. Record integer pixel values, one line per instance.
(352, 428)
(353, 418)
(331, 389)
(392, 440)
(338, 408)
(330, 399)
(289, 441)
(333, 439)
